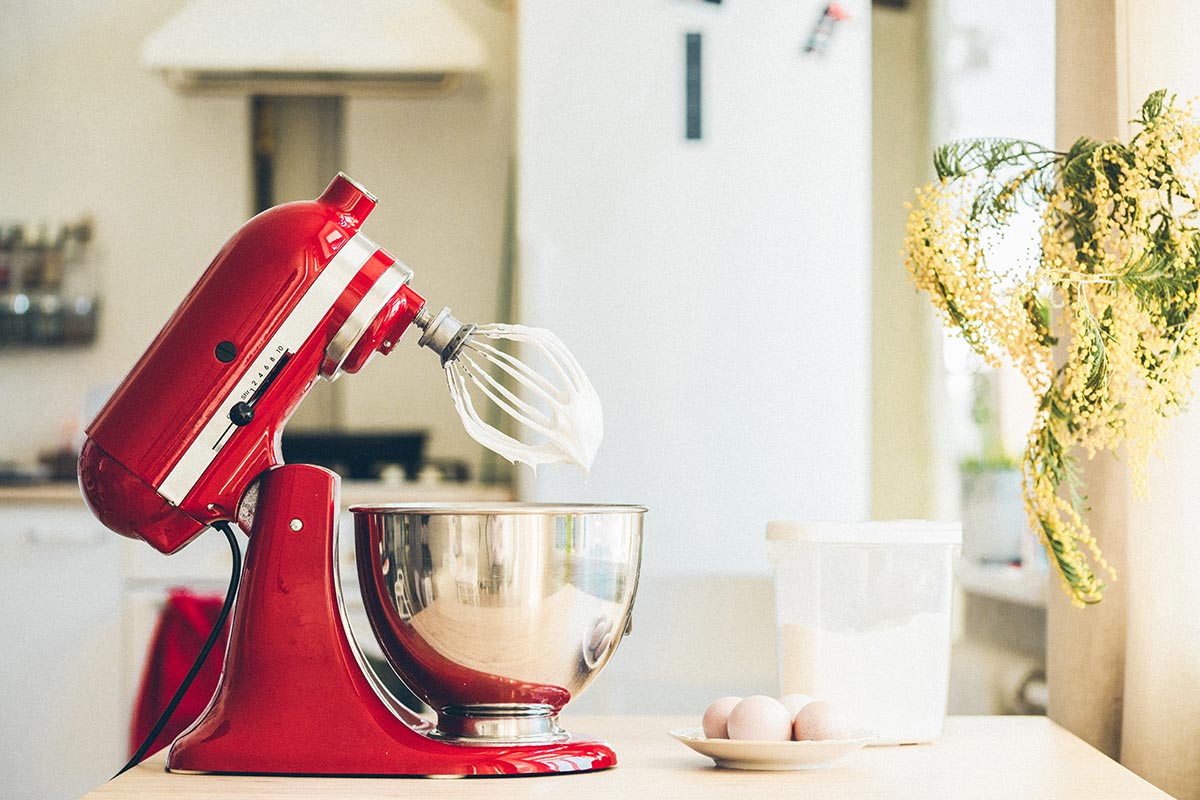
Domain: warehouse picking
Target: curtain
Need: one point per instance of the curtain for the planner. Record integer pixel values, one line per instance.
(1125, 675)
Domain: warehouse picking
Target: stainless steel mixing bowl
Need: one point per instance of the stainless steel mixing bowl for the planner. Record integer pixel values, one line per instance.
(496, 615)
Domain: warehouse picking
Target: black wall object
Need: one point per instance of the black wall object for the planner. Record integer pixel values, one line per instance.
(692, 85)
(356, 456)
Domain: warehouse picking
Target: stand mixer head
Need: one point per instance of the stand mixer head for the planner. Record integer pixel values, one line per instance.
(191, 438)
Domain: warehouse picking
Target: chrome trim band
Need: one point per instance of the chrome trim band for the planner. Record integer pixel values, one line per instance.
(384, 289)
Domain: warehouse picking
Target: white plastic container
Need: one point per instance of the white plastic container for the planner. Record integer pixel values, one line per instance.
(863, 620)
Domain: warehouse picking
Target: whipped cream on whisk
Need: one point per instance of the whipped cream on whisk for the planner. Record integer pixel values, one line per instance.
(554, 403)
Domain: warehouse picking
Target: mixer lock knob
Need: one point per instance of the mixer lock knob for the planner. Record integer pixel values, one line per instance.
(241, 414)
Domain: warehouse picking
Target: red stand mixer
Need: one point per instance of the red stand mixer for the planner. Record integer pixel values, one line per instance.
(494, 615)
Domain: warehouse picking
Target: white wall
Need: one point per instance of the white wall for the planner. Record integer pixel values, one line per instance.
(717, 292)
(83, 128)
(440, 170)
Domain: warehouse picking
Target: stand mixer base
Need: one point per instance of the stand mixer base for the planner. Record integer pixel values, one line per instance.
(509, 723)
(295, 698)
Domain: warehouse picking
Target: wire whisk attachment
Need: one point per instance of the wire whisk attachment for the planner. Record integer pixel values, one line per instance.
(543, 390)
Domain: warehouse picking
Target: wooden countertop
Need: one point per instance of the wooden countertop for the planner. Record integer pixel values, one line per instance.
(64, 493)
(978, 757)
(67, 494)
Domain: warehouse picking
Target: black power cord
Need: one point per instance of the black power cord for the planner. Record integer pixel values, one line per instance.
(234, 577)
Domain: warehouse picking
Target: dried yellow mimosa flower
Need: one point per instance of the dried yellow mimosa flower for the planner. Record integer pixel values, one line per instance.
(1119, 262)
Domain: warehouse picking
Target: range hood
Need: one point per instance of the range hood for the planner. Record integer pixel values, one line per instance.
(314, 47)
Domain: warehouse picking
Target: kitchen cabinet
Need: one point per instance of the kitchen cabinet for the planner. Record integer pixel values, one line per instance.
(977, 757)
(60, 589)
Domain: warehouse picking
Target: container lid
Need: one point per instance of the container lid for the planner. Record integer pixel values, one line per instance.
(897, 531)
(491, 509)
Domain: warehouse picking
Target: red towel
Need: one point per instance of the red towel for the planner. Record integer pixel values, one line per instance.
(184, 624)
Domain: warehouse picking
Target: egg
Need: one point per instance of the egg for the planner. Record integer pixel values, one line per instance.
(760, 718)
(819, 720)
(794, 702)
(716, 717)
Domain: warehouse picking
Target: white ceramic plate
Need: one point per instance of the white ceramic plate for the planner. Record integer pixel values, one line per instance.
(741, 754)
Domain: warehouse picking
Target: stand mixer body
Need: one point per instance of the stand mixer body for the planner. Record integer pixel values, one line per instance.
(191, 437)
(295, 697)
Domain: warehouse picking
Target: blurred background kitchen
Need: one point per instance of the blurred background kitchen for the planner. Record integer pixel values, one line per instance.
(703, 199)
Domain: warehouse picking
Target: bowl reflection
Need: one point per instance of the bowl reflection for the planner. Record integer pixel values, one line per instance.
(496, 615)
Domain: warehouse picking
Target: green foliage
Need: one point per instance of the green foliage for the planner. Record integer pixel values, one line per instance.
(1152, 109)
(997, 463)
(965, 157)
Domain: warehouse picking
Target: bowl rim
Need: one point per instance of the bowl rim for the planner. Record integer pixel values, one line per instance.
(495, 509)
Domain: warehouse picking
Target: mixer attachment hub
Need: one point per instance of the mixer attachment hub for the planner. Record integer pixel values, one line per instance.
(443, 333)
